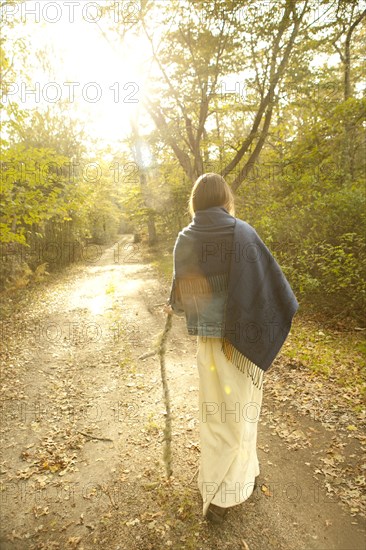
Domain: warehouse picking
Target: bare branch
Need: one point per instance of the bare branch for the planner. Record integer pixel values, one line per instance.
(275, 76)
(161, 124)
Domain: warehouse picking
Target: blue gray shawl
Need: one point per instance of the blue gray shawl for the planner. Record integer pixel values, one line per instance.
(260, 302)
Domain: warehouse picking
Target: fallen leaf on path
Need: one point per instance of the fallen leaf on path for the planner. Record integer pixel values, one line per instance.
(266, 490)
(132, 522)
(74, 541)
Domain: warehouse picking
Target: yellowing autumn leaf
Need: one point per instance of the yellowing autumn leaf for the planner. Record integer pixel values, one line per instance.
(266, 491)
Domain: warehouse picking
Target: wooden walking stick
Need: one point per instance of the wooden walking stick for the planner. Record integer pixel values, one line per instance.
(167, 455)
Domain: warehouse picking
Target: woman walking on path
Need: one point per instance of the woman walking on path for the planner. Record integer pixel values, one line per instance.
(237, 301)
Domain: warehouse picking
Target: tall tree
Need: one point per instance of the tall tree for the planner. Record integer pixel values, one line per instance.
(349, 17)
(196, 46)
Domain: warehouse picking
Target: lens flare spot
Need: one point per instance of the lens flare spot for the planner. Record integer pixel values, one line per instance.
(227, 390)
(212, 367)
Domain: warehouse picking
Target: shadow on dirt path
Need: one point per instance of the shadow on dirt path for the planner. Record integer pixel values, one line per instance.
(82, 421)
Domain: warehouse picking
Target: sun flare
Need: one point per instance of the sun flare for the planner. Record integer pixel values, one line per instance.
(102, 81)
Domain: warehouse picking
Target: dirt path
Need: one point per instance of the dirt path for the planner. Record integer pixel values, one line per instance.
(82, 420)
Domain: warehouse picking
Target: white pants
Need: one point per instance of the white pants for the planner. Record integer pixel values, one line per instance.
(229, 409)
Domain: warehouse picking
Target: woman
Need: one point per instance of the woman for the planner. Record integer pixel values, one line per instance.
(237, 301)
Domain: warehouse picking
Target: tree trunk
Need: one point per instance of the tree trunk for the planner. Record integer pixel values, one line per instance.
(152, 229)
(347, 56)
(143, 184)
(348, 151)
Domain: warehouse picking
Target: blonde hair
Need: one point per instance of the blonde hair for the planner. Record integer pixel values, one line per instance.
(211, 190)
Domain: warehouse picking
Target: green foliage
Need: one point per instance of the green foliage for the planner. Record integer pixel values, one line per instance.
(53, 202)
(306, 198)
(33, 190)
(305, 194)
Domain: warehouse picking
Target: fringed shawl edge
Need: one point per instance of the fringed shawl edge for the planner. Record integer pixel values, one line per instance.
(202, 285)
(242, 363)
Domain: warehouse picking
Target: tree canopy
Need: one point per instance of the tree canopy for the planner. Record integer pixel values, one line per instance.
(269, 94)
